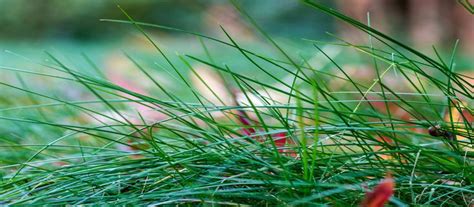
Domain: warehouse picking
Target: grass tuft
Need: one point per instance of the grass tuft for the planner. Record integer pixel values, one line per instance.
(286, 131)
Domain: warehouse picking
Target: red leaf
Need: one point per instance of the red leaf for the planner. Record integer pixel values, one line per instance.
(381, 193)
(248, 130)
(280, 139)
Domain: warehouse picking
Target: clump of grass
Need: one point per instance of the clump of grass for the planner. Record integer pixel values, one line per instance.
(341, 135)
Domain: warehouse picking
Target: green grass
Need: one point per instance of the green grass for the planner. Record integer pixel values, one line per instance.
(58, 150)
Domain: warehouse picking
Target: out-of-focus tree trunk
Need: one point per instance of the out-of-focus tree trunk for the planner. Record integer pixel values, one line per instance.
(464, 28)
(427, 22)
(228, 17)
(358, 9)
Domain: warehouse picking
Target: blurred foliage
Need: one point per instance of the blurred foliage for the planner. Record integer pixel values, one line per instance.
(76, 19)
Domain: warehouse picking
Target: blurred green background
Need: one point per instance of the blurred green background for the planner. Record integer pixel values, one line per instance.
(79, 20)
(71, 24)
(72, 27)
(73, 31)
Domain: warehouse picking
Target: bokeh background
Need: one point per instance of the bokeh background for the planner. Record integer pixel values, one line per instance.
(423, 22)
(73, 31)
